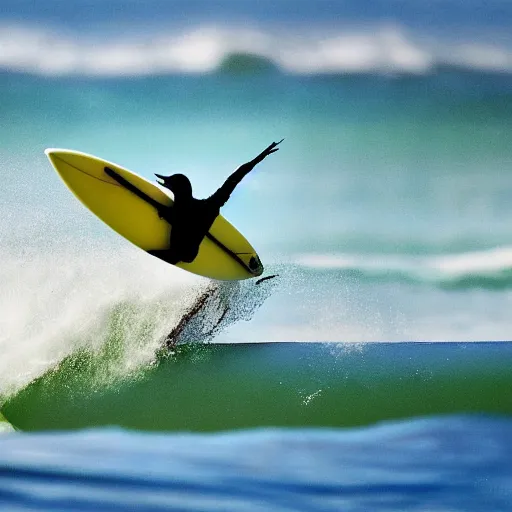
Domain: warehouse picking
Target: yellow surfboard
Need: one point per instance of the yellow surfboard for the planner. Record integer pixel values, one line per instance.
(224, 253)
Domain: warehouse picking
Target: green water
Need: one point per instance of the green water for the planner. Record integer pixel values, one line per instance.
(5, 426)
(217, 387)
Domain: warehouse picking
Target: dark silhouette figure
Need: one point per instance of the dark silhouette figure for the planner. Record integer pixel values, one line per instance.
(191, 218)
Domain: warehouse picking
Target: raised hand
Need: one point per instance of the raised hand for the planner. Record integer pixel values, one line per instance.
(220, 197)
(268, 151)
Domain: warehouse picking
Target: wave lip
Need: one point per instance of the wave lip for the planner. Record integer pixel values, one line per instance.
(383, 49)
(386, 50)
(490, 269)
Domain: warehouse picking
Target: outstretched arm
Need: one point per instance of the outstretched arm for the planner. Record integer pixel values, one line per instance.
(223, 193)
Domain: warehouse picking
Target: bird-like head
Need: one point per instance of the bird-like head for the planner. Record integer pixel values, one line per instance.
(178, 184)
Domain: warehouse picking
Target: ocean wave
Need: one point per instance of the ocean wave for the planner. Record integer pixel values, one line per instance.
(113, 315)
(386, 49)
(491, 269)
(55, 303)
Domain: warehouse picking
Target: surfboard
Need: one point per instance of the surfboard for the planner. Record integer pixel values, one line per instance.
(224, 253)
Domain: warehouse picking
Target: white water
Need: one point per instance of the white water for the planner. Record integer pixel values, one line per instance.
(383, 48)
(495, 265)
(54, 303)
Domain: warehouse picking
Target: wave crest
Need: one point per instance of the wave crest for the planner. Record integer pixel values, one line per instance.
(205, 49)
(490, 269)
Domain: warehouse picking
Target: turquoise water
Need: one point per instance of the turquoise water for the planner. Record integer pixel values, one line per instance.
(370, 165)
(388, 188)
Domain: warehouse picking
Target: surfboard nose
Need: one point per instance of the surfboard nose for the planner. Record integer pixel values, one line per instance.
(75, 159)
(55, 154)
(50, 153)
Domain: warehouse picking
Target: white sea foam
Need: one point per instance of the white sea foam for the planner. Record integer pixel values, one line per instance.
(53, 303)
(469, 269)
(380, 49)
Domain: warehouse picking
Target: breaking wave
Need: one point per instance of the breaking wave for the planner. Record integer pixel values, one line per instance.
(491, 269)
(386, 49)
(113, 313)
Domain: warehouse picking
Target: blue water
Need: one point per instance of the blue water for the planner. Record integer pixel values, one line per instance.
(439, 464)
(464, 14)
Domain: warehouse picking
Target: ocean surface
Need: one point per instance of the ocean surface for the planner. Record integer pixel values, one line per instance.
(436, 464)
(386, 213)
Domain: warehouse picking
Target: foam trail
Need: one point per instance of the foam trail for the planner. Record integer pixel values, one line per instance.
(204, 49)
